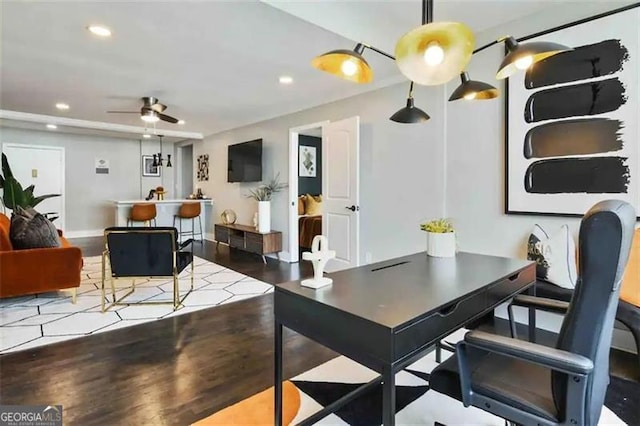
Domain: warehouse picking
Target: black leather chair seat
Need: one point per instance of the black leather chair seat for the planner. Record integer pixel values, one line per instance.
(493, 376)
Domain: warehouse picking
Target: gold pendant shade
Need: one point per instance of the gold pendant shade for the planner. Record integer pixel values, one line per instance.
(346, 64)
(435, 53)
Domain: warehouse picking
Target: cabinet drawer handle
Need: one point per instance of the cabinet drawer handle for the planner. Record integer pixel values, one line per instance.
(514, 276)
(448, 310)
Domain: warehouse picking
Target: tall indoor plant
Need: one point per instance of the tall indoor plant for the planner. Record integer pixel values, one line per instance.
(441, 238)
(263, 195)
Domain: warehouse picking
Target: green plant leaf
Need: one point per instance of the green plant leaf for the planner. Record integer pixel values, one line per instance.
(41, 198)
(13, 194)
(6, 170)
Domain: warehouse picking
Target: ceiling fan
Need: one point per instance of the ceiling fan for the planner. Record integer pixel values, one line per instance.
(151, 111)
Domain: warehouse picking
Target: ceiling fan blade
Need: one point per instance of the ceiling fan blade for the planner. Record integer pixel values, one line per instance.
(158, 107)
(167, 118)
(124, 112)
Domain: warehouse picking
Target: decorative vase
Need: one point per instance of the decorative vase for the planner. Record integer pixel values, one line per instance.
(264, 216)
(441, 244)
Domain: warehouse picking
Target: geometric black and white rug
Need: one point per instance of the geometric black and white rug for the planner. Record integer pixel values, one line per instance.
(415, 403)
(30, 321)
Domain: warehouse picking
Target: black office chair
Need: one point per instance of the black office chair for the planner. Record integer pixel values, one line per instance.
(143, 252)
(527, 383)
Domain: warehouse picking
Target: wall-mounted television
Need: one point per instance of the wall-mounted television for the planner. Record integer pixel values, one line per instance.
(245, 162)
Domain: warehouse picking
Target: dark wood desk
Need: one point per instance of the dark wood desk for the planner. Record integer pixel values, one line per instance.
(388, 315)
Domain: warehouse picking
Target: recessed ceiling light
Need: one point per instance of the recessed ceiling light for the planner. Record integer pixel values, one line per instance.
(146, 136)
(286, 79)
(99, 30)
(181, 122)
(62, 106)
(52, 126)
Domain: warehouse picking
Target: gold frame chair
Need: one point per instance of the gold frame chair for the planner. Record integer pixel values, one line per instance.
(177, 300)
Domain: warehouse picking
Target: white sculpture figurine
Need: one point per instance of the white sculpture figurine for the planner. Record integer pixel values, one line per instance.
(319, 256)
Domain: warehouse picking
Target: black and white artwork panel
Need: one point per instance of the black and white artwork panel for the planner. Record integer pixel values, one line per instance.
(573, 136)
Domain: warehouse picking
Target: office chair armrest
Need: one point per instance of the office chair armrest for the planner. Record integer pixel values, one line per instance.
(185, 243)
(555, 359)
(541, 303)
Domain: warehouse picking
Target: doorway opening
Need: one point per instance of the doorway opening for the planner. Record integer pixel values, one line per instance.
(184, 175)
(44, 167)
(324, 189)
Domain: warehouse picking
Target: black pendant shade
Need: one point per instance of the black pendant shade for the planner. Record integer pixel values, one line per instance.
(473, 90)
(410, 114)
(522, 55)
(347, 64)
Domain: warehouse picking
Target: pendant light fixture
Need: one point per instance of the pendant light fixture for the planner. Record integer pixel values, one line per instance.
(473, 90)
(410, 114)
(157, 158)
(433, 54)
(522, 55)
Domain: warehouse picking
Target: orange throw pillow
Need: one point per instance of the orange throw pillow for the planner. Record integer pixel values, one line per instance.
(313, 205)
(301, 207)
(630, 291)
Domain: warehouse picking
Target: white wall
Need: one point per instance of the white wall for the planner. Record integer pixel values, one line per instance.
(401, 167)
(87, 194)
(475, 155)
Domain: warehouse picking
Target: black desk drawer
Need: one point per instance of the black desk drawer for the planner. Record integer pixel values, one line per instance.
(456, 315)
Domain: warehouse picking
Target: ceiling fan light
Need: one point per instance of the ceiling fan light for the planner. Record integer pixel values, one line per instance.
(523, 55)
(473, 90)
(410, 114)
(434, 53)
(150, 117)
(347, 64)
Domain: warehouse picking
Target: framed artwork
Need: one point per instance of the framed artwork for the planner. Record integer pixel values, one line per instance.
(203, 167)
(572, 134)
(308, 162)
(148, 169)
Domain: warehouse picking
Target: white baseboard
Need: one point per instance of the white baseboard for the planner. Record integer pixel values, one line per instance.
(285, 256)
(84, 234)
(209, 236)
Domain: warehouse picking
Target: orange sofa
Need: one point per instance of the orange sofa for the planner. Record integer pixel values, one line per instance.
(32, 271)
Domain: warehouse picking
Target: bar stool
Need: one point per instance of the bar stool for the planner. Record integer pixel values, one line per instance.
(142, 213)
(189, 211)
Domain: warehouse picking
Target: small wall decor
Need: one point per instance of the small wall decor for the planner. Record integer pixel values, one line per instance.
(572, 129)
(203, 167)
(148, 168)
(307, 161)
(102, 166)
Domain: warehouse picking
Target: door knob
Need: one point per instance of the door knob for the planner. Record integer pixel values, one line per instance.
(353, 208)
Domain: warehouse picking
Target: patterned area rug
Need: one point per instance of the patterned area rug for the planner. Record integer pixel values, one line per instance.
(415, 403)
(30, 321)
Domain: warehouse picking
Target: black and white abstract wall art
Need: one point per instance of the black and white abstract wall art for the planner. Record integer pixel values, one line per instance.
(203, 167)
(572, 133)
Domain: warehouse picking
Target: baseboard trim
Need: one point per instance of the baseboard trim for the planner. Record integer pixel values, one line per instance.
(84, 234)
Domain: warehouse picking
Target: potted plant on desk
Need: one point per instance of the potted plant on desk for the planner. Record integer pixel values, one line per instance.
(263, 195)
(441, 238)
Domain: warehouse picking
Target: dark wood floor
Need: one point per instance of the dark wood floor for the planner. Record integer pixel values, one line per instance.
(173, 371)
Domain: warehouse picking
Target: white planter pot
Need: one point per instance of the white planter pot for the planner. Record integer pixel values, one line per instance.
(441, 244)
(264, 216)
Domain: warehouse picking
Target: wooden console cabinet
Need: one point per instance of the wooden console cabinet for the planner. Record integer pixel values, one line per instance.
(247, 238)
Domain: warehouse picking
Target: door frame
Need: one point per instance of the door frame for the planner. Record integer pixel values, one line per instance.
(179, 149)
(61, 149)
(294, 132)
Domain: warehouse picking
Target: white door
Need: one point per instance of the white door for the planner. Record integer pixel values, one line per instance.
(341, 191)
(42, 166)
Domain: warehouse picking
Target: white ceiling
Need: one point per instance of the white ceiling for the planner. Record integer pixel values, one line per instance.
(215, 64)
